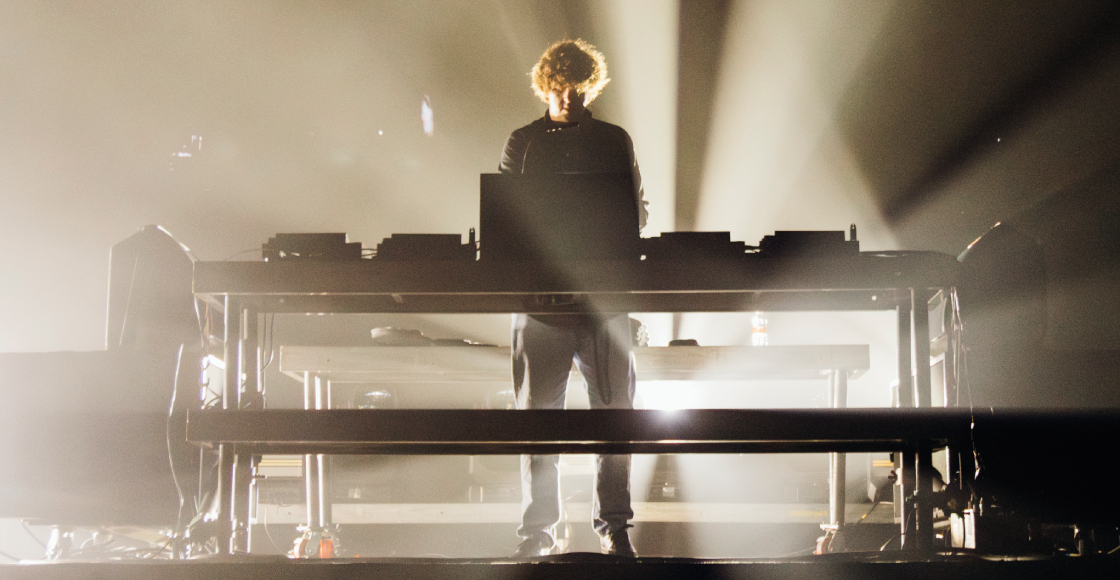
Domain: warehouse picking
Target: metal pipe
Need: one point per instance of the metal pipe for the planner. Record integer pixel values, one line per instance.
(241, 483)
(310, 466)
(905, 363)
(922, 382)
(904, 458)
(837, 462)
(239, 504)
(320, 460)
(225, 491)
(923, 460)
(923, 495)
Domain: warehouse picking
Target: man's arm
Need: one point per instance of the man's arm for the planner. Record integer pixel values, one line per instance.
(639, 192)
(513, 155)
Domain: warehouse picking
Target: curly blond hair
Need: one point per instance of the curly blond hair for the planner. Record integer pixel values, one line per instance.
(570, 63)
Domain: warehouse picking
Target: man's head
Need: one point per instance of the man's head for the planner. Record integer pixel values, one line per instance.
(570, 74)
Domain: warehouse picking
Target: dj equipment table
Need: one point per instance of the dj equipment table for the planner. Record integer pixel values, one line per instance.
(903, 282)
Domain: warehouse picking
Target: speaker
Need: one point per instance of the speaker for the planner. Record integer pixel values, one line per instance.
(91, 437)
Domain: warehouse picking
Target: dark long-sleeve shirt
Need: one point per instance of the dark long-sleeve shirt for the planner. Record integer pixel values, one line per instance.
(589, 146)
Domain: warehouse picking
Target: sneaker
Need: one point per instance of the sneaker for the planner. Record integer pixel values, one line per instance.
(538, 544)
(617, 543)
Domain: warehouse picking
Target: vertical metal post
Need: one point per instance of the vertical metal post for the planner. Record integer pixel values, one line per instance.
(221, 496)
(904, 458)
(923, 474)
(246, 356)
(905, 364)
(923, 494)
(227, 452)
(232, 320)
(310, 464)
(837, 462)
(247, 394)
(922, 382)
(323, 506)
(321, 500)
(251, 394)
(254, 505)
(253, 398)
(946, 296)
(238, 507)
(325, 473)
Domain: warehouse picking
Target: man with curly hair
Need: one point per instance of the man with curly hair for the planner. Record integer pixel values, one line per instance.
(570, 74)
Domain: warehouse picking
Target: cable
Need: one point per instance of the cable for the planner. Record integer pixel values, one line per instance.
(170, 455)
(128, 302)
(243, 252)
(202, 337)
(270, 329)
(961, 370)
(207, 325)
(883, 548)
(895, 253)
(206, 329)
(11, 557)
(905, 529)
(199, 499)
(32, 534)
(960, 362)
(873, 506)
(268, 534)
(161, 549)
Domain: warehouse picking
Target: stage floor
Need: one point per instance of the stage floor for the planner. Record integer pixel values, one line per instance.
(870, 566)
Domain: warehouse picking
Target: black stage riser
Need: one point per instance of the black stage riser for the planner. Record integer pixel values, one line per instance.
(594, 567)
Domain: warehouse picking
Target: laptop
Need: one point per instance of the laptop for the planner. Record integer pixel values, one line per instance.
(558, 217)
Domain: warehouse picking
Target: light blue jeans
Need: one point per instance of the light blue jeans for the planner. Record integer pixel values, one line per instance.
(542, 358)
